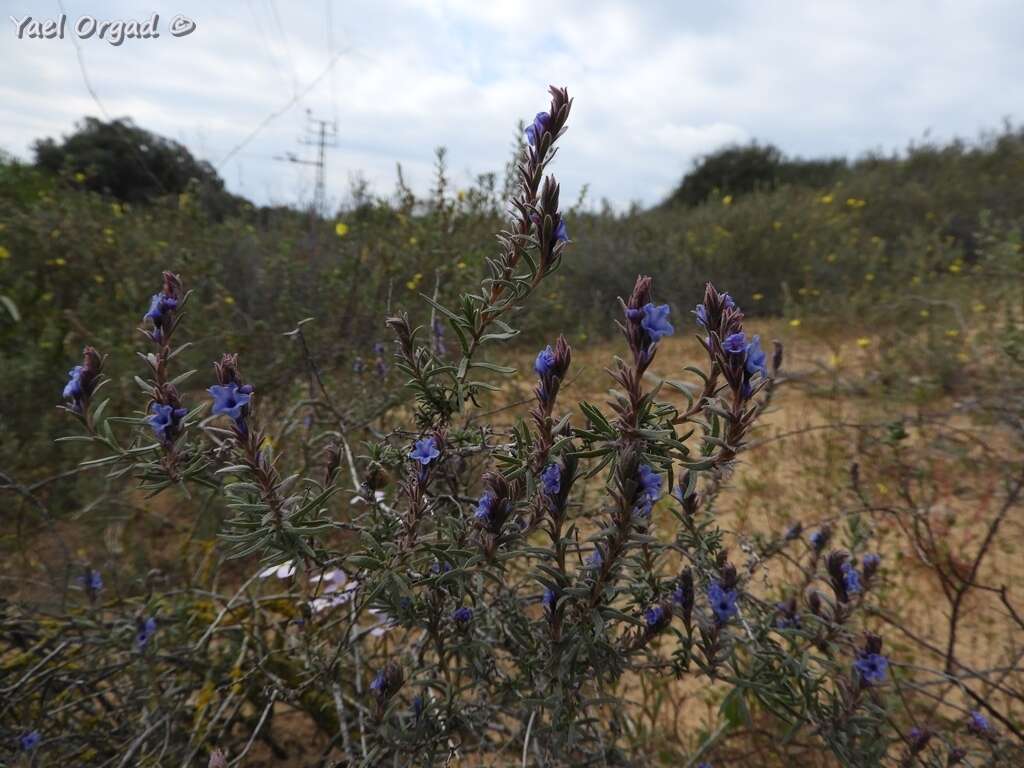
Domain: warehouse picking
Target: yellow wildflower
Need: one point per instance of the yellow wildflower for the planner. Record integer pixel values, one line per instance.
(795, 322)
(757, 296)
(727, 200)
(825, 199)
(79, 177)
(979, 307)
(863, 342)
(4, 254)
(341, 229)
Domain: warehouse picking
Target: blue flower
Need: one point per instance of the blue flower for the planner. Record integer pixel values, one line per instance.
(437, 568)
(819, 539)
(735, 343)
(657, 617)
(536, 130)
(723, 602)
(702, 315)
(417, 706)
(381, 367)
(425, 451)
(595, 559)
(230, 400)
(92, 580)
(650, 489)
(545, 362)
(550, 599)
(727, 301)
(73, 389)
(485, 507)
(979, 724)
(29, 741)
(561, 232)
(851, 579)
(756, 358)
(551, 479)
(379, 682)
(165, 421)
(146, 631)
(872, 668)
(159, 306)
(655, 321)
(462, 615)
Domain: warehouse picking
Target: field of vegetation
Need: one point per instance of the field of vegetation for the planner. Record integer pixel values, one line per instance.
(439, 548)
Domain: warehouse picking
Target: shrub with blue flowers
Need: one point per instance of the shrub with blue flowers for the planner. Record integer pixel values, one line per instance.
(440, 588)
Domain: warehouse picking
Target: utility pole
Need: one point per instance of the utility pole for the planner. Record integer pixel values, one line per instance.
(322, 134)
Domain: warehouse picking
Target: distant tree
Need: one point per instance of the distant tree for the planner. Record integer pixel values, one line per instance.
(736, 170)
(127, 162)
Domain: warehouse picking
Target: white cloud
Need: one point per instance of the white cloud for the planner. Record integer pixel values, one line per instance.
(657, 84)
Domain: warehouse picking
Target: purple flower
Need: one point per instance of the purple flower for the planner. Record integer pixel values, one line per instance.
(425, 451)
(727, 301)
(231, 400)
(437, 330)
(595, 559)
(29, 741)
(871, 562)
(794, 531)
(462, 615)
(872, 668)
(723, 602)
(702, 315)
(379, 683)
(851, 579)
(657, 617)
(550, 599)
(437, 568)
(73, 389)
(655, 321)
(145, 633)
(545, 362)
(819, 539)
(417, 707)
(551, 479)
(485, 508)
(91, 581)
(979, 724)
(381, 367)
(735, 343)
(650, 490)
(756, 358)
(536, 130)
(561, 232)
(378, 349)
(165, 421)
(160, 306)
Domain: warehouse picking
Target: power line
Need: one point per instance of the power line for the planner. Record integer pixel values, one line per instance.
(323, 135)
(278, 112)
(103, 110)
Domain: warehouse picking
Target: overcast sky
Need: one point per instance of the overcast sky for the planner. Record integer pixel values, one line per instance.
(656, 83)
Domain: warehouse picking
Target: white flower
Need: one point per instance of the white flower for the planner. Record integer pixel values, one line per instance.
(282, 571)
